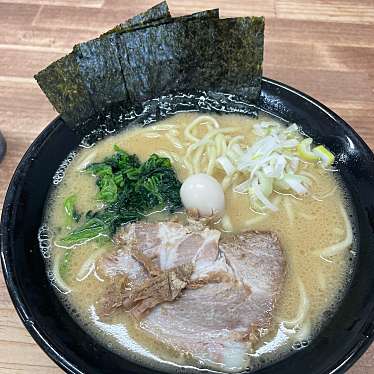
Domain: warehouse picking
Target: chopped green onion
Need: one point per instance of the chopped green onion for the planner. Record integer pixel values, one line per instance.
(304, 151)
(324, 155)
(272, 162)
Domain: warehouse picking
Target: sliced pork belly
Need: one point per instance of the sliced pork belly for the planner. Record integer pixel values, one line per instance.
(219, 307)
(170, 244)
(121, 262)
(209, 322)
(257, 260)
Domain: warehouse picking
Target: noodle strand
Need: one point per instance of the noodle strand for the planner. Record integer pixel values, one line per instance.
(334, 249)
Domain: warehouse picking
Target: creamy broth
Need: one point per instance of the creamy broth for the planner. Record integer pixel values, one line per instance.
(305, 225)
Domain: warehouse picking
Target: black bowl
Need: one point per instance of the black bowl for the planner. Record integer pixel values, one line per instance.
(342, 341)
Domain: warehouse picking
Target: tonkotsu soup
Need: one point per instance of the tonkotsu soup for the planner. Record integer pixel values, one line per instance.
(201, 241)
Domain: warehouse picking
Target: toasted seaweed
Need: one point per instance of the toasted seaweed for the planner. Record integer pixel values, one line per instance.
(100, 66)
(147, 21)
(203, 54)
(157, 12)
(144, 81)
(152, 55)
(226, 56)
(62, 83)
(98, 59)
(101, 71)
(93, 72)
(210, 13)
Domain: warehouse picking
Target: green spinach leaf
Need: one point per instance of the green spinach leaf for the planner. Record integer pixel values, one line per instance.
(130, 190)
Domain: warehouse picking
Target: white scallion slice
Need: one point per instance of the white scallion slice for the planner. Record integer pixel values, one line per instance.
(266, 184)
(324, 155)
(304, 151)
(263, 199)
(243, 187)
(295, 183)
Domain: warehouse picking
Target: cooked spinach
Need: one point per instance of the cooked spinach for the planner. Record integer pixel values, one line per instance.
(70, 210)
(65, 263)
(130, 190)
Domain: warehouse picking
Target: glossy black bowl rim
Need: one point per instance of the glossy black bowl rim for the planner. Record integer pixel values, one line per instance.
(18, 300)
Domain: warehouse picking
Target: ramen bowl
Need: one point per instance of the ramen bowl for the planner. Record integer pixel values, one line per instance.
(345, 336)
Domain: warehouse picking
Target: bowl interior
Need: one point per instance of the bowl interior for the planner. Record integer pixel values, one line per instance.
(340, 343)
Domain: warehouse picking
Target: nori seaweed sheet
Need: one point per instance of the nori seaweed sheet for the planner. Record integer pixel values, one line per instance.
(62, 83)
(157, 12)
(100, 66)
(146, 21)
(93, 76)
(157, 56)
(233, 62)
(101, 71)
(210, 13)
(98, 59)
(223, 55)
(143, 81)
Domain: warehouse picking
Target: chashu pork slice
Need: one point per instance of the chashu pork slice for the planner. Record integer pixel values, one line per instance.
(219, 310)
